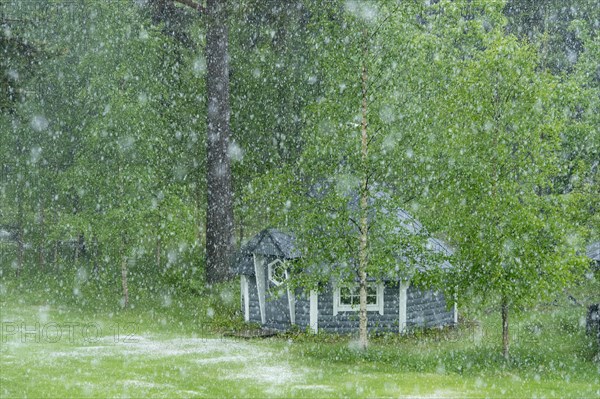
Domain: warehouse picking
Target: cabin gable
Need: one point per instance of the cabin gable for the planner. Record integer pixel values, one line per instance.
(393, 306)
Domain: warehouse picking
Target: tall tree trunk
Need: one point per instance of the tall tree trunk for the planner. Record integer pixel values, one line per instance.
(20, 238)
(57, 241)
(124, 280)
(364, 210)
(41, 257)
(20, 250)
(56, 245)
(96, 269)
(498, 232)
(219, 215)
(76, 250)
(505, 336)
(124, 273)
(158, 250)
(241, 238)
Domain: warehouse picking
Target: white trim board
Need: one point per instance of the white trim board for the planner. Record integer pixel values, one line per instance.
(455, 308)
(259, 271)
(402, 302)
(245, 297)
(291, 300)
(270, 268)
(314, 311)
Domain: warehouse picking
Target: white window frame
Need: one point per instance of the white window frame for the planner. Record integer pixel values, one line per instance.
(375, 307)
(270, 267)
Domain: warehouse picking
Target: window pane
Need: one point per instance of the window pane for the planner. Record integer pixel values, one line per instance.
(345, 296)
(351, 295)
(279, 272)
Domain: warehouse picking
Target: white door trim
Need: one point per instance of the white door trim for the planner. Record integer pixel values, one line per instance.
(245, 297)
(259, 271)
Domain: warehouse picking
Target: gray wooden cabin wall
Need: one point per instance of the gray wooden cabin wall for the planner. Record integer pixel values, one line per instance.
(424, 309)
(254, 304)
(347, 322)
(427, 309)
(277, 307)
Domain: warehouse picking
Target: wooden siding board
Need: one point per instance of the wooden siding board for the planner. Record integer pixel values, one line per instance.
(302, 309)
(424, 309)
(345, 322)
(427, 309)
(254, 304)
(277, 309)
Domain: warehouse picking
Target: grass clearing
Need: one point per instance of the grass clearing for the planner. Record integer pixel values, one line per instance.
(168, 352)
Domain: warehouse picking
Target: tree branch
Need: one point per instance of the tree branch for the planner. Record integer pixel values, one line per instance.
(354, 222)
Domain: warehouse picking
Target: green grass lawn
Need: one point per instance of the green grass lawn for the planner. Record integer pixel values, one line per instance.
(162, 353)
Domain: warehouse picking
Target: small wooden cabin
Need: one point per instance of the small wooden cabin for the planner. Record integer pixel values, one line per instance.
(593, 252)
(593, 313)
(393, 306)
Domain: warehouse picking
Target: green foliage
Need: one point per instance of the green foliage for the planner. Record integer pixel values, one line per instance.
(498, 135)
(482, 117)
(106, 148)
(318, 197)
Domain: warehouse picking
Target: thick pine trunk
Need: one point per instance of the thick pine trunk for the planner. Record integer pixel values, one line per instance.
(505, 336)
(200, 230)
(364, 209)
(219, 215)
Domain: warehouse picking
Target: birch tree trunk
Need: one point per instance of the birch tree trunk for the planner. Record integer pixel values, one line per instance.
(505, 331)
(364, 210)
(124, 279)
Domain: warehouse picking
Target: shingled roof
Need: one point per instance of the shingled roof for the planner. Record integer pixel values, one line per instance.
(269, 242)
(273, 242)
(593, 251)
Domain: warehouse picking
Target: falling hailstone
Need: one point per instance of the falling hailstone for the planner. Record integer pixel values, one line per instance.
(235, 152)
(39, 123)
(199, 66)
(13, 74)
(362, 10)
(36, 152)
